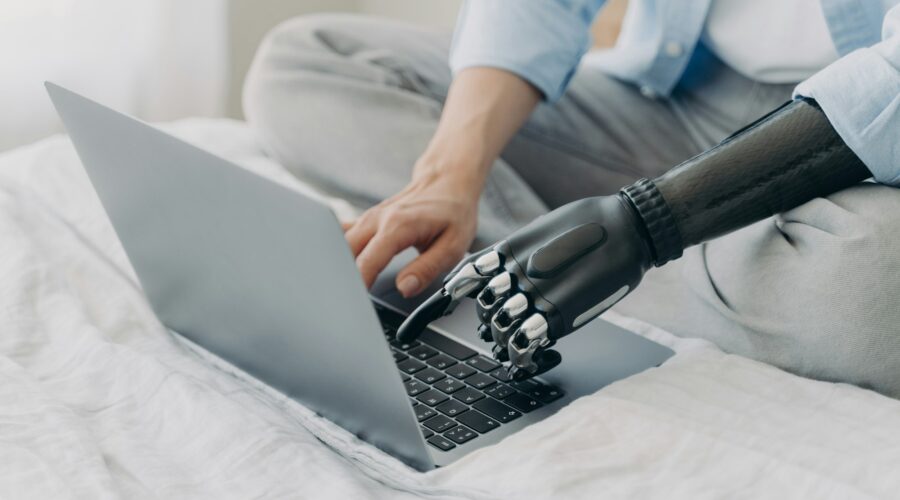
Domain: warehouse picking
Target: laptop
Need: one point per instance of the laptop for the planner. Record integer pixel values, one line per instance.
(261, 276)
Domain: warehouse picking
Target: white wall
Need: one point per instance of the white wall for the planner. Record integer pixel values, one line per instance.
(157, 59)
(433, 13)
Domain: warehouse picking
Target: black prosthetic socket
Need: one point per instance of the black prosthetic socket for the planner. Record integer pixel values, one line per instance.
(779, 162)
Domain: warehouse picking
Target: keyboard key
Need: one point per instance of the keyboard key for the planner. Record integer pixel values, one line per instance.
(446, 345)
(439, 423)
(478, 421)
(404, 377)
(552, 395)
(484, 364)
(441, 443)
(426, 432)
(398, 355)
(430, 375)
(499, 391)
(413, 402)
(452, 408)
(410, 366)
(422, 352)
(525, 385)
(460, 371)
(496, 409)
(546, 393)
(432, 397)
(449, 385)
(468, 395)
(414, 387)
(460, 434)
(441, 362)
(423, 412)
(480, 381)
(389, 318)
(501, 374)
(404, 346)
(522, 402)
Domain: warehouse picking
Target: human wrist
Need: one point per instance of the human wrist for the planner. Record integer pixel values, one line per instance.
(461, 161)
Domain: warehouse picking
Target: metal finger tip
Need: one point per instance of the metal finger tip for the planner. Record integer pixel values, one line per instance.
(488, 263)
(495, 290)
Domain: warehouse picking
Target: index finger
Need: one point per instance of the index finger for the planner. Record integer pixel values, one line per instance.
(378, 253)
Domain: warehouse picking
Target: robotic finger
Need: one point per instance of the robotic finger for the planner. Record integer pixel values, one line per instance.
(508, 318)
(469, 277)
(528, 351)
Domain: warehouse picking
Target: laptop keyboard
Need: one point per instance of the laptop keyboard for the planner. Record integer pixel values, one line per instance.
(456, 393)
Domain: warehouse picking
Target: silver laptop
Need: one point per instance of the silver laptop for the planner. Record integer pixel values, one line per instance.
(261, 276)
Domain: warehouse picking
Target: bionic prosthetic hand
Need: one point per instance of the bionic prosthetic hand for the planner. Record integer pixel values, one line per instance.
(551, 277)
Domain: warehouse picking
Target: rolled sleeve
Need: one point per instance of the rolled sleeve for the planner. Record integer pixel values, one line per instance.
(860, 94)
(541, 41)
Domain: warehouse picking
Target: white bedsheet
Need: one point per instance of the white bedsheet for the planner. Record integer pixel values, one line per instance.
(97, 400)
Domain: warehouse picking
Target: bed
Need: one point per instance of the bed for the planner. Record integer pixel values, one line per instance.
(98, 400)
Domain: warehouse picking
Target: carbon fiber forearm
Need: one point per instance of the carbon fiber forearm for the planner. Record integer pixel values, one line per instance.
(779, 162)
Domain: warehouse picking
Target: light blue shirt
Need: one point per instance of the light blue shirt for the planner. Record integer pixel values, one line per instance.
(543, 42)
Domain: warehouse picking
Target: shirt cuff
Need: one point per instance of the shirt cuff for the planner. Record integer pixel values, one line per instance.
(860, 95)
(540, 41)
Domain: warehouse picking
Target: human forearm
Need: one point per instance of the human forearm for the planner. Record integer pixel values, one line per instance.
(484, 109)
(437, 211)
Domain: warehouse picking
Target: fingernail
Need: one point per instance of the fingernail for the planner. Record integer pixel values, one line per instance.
(408, 285)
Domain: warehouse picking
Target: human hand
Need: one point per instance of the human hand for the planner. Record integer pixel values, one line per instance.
(436, 213)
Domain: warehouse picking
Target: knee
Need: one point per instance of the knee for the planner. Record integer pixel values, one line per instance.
(306, 32)
(288, 55)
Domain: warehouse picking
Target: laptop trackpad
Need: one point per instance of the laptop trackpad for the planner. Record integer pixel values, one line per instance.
(596, 355)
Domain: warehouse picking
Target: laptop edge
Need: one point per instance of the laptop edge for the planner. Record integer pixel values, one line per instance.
(188, 221)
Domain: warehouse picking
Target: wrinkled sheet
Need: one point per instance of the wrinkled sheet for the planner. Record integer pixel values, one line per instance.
(98, 400)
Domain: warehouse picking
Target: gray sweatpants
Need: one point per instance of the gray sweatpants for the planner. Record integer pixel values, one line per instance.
(348, 103)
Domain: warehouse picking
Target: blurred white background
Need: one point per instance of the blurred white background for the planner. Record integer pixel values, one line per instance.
(157, 59)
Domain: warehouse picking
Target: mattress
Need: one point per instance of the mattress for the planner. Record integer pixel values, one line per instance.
(99, 400)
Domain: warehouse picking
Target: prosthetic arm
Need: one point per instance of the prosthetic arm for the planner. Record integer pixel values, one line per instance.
(551, 277)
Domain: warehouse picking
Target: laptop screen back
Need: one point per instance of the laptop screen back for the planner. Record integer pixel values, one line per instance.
(248, 269)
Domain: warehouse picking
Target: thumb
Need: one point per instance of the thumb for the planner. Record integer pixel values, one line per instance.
(446, 251)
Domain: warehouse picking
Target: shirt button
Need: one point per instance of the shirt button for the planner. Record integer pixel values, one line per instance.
(673, 49)
(648, 92)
